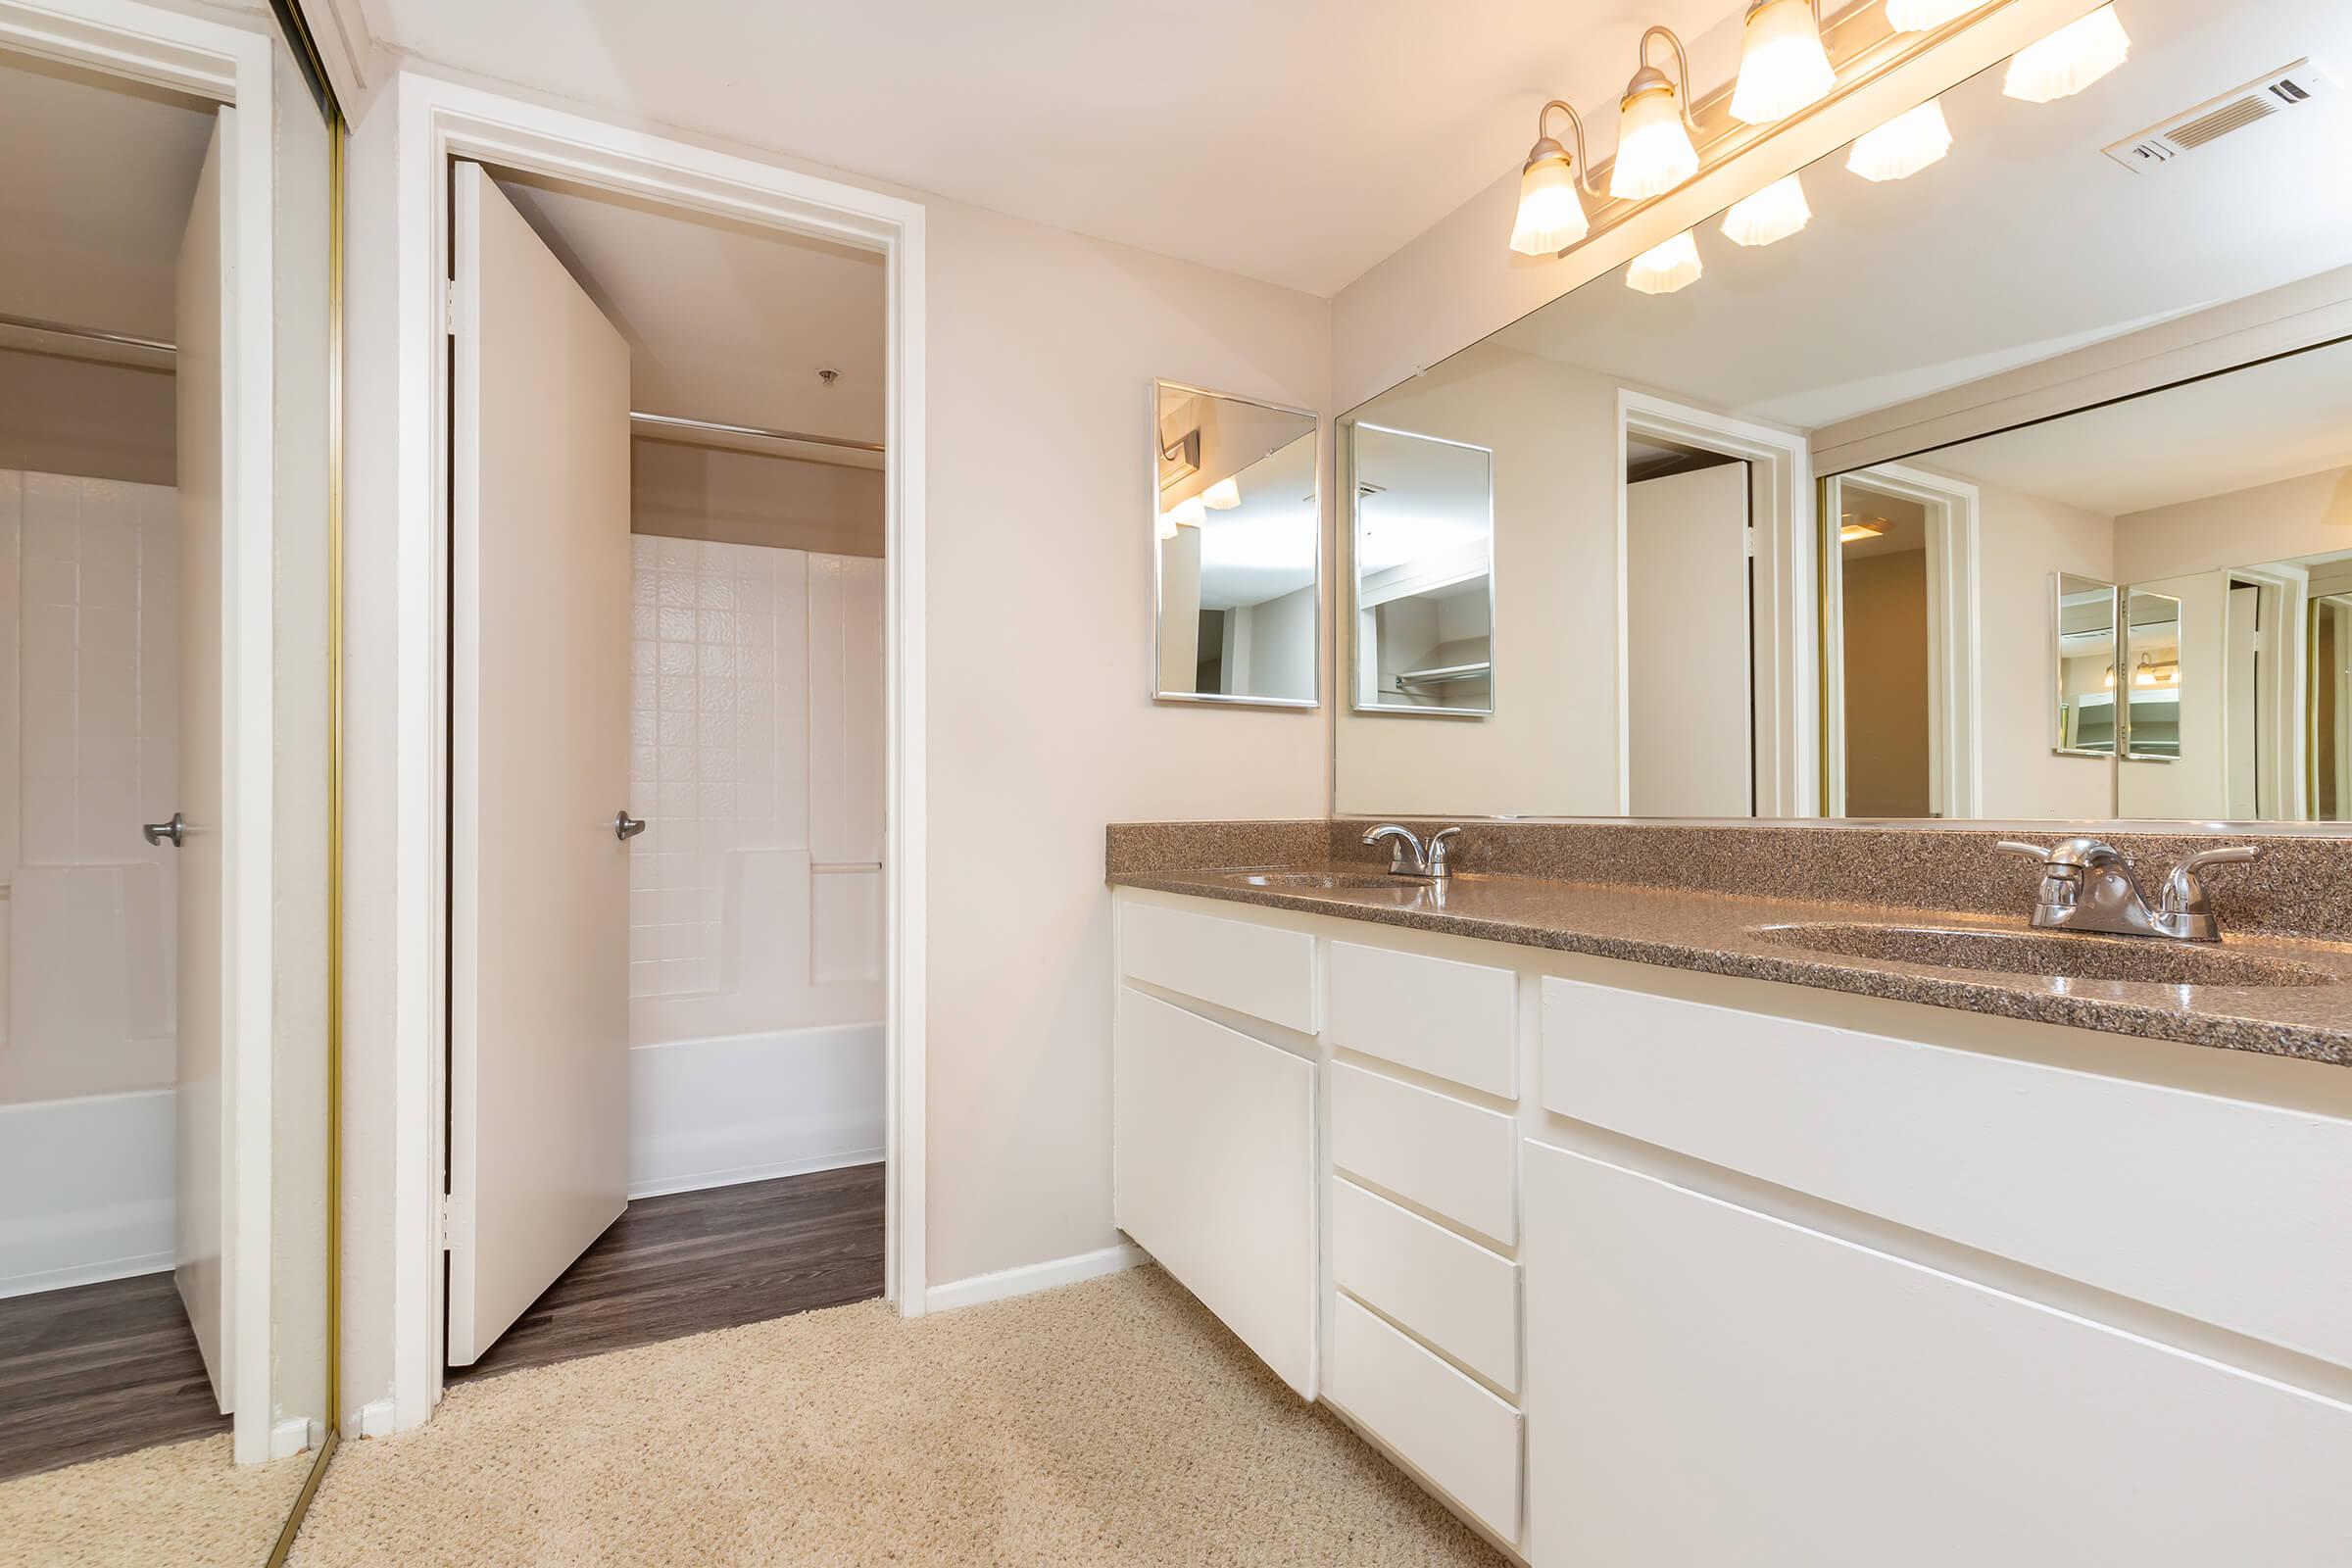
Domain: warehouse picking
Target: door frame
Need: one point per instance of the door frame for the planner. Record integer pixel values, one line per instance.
(1781, 504)
(233, 67)
(1955, 660)
(435, 123)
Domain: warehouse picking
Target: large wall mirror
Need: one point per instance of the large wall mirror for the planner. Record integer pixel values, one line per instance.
(2013, 482)
(167, 757)
(1237, 571)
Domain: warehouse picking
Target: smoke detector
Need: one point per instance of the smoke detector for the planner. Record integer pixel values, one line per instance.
(2264, 98)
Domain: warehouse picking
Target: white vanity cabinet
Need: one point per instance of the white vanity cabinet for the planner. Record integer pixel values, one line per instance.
(1636, 1266)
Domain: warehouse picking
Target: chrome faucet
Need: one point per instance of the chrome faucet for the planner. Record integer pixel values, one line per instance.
(2087, 885)
(1410, 857)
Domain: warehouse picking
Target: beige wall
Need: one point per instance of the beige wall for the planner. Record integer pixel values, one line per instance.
(1043, 349)
(2021, 540)
(1550, 748)
(2309, 515)
(1886, 627)
(85, 416)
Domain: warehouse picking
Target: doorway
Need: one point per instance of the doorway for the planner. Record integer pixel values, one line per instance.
(668, 1053)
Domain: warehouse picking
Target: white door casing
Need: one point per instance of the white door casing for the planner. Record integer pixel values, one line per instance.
(539, 954)
(208, 1231)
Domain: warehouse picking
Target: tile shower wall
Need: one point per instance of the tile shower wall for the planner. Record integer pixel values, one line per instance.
(756, 718)
(90, 737)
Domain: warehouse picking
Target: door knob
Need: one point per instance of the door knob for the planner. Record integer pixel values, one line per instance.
(174, 830)
(624, 826)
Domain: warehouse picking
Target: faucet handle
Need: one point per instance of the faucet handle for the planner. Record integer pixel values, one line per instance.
(2185, 890)
(2032, 852)
(1439, 843)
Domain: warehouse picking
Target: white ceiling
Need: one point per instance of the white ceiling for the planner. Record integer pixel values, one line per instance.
(725, 321)
(2025, 241)
(1266, 546)
(2230, 432)
(1435, 501)
(90, 225)
(1298, 142)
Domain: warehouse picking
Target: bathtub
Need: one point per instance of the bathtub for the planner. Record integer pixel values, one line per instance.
(745, 1107)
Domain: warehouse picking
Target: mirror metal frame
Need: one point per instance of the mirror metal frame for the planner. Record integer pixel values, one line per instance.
(1356, 702)
(1314, 698)
(2115, 632)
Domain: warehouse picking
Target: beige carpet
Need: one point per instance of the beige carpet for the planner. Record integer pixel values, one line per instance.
(1111, 1422)
(183, 1505)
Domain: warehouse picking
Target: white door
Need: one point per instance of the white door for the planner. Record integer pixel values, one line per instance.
(1688, 655)
(539, 681)
(206, 1149)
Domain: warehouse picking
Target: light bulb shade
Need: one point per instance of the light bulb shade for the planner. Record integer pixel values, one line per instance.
(1783, 67)
(1918, 16)
(1551, 215)
(1653, 148)
(1167, 527)
(1663, 268)
(1905, 145)
(1223, 495)
(1189, 513)
(2067, 60)
(1774, 213)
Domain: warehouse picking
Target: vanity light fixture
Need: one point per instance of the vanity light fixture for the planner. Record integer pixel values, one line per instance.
(1921, 16)
(1654, 149)
(1223, 495)
(1189, 513)
(2151, 673)
(1663, 268)
(2069, 58)
(1774, 213)
(1551, 189)
(1905, 145)
(1783, 66)
(1853, 530)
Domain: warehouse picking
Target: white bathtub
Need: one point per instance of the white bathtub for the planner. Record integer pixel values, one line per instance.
(86, 1190)
(745, 1107)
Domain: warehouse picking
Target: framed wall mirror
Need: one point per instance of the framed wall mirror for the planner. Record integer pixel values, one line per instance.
(1859, 516)
(1421, 570)
(1238, 549)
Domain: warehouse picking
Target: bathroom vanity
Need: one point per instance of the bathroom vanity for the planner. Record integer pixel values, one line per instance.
(1638, 1230)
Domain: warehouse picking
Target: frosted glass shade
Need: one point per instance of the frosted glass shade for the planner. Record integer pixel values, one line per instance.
(1774, 213)
(1167, 527)
(1552, 215)
(1663, 268)
(1223, 495)
(2067, 60)
(1905, 145)
(1189, 513)
(1654, 149)
(1918, 16)
(1783, 67)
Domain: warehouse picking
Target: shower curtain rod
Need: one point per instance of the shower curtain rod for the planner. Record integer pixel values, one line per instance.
(30, 323)
(671, 422)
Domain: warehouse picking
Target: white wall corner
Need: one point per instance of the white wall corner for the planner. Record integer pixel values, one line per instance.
(377, 1418)
(1030, 1278)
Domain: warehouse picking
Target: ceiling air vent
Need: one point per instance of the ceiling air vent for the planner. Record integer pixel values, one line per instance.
(2275, 94)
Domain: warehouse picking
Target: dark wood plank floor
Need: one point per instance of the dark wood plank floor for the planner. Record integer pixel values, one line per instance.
(691, 1261)
(99, 1370)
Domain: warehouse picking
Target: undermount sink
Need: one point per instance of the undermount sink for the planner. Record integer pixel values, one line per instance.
(1322, 881)
(2145, 960)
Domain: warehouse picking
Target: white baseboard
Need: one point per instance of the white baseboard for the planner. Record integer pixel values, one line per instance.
(290, 1438)
(748, 1108)
(89, 1190)
(1007, 1283)
(377, 1418)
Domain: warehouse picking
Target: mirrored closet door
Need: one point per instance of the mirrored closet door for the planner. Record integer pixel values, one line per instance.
(167, 217)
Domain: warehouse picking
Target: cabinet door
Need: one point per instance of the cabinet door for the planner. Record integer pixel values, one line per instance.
(1214, 1172)
(1710, 1385)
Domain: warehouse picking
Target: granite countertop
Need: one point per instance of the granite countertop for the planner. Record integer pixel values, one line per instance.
(1724, 933)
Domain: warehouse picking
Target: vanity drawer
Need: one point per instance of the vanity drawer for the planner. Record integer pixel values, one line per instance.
(1440, 1152)
(1436, 1016)
(1462, 1438)
(1451, 1292)
(2223, 1209)
(1262, 970)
